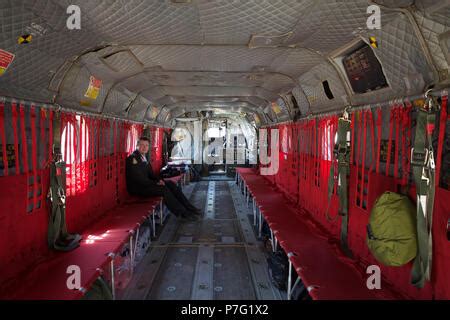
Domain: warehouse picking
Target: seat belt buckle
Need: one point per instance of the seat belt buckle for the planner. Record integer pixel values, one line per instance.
(419, 158)
(431, 163)
(424, 177)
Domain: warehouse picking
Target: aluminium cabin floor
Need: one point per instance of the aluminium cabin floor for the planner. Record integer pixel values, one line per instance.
(216, 258)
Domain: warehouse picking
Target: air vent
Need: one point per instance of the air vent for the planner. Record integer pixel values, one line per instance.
(294, 102)
(327, 90)
(264, 41)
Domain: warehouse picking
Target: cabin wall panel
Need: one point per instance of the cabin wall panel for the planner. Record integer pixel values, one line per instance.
(95, 184)
(313, 159)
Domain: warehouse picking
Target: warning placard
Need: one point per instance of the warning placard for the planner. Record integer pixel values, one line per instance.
(5, 60)
(276, 108)
(154, 112)
(94, 88)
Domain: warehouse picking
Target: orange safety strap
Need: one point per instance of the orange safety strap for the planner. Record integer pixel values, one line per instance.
(379, 122)
(3, 138)
(391, 128)
(442, 127)
(34, 153)
(16, 137)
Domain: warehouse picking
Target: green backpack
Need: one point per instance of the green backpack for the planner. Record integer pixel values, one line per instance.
(392, 231)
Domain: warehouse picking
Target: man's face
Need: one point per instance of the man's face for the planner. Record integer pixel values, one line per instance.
(143, 146)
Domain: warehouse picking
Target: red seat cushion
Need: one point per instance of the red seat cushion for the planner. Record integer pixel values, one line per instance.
(317, 260)
(48, 279)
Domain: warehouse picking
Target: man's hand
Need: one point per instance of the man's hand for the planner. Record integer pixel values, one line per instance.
(161, 182)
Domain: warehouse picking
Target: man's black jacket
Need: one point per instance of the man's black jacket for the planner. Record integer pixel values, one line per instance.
(139, 174)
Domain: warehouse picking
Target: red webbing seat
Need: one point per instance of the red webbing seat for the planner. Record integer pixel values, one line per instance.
(48, 279)
(318, 261)
(120, 221)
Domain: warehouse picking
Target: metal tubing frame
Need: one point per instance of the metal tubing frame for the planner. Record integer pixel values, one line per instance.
(161, 212)
(254, 211)
(273, 241)
(131, 252)
(153, 223)
(135, 248)
(291, 288)
(113, 285)
(260, 225)
(289, 280)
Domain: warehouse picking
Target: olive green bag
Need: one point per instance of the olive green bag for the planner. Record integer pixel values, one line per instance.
(392, 231)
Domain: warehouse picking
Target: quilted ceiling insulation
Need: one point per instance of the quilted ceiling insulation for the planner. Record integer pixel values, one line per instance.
(153, 61)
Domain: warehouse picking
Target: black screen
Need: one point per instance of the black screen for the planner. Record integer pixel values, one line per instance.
(364, 70)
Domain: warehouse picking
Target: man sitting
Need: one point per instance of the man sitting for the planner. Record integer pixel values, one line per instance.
(142, 182)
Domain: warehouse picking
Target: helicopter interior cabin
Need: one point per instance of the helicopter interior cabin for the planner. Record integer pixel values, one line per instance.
(311, 138)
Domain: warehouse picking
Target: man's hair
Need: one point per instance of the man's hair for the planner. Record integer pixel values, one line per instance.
(143, 138)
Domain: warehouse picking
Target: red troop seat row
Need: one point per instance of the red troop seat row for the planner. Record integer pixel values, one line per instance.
(100, 244)
(322, 267)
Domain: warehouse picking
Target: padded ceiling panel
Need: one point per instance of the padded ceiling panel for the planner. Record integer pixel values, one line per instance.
(431, 29)
(138, 108)
(311, 83)
(231, 22)
(123, 62)
(181, 49)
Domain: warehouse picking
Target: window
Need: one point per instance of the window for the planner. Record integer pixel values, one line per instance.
(132, 139)
(75, 144)
(327, 90)
(75, 141)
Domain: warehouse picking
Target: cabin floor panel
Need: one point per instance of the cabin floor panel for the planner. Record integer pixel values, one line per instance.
(216, 258)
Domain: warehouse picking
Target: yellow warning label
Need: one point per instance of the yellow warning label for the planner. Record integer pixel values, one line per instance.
(25, 39)
(276, 108)
(154, 112)
(373, 42)
(94, 88)
(85, 103)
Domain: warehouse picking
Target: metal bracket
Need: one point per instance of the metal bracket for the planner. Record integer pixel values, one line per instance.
(345, 113)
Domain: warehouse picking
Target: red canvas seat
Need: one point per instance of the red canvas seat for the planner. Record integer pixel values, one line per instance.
(323, 268)
(48, 280)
